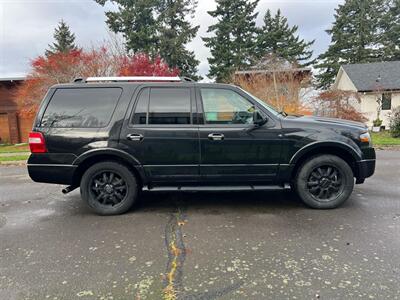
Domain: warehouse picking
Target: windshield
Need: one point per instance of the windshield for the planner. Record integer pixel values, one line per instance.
(270, 108)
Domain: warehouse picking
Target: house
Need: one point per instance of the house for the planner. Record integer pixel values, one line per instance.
(276, 81)
(374, 83)
(13, 127)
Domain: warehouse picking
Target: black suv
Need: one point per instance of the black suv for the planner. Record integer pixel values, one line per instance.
(114, 137)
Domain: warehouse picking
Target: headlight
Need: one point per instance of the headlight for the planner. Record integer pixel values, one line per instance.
(366, 138)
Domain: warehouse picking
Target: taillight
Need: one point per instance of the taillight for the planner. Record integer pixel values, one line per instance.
(37, 142)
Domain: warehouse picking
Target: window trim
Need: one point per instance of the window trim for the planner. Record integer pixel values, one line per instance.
(147, 125)
(79, 88)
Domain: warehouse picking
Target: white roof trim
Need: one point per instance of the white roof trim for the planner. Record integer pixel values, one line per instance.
(16, 78)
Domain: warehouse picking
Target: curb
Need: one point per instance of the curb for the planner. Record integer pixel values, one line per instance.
(383, 148)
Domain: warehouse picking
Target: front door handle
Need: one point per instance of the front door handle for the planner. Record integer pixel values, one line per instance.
(135, 137)
(216, 136)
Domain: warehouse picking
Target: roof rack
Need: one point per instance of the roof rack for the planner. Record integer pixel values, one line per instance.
(134, 78)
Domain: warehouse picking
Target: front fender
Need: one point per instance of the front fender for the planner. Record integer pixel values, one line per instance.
(355, 152)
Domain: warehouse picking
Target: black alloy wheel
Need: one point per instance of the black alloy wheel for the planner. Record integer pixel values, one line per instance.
(325, 183)
(109, 188)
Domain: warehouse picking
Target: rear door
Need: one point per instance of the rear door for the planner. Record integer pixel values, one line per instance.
(231, 148)
(162, 133)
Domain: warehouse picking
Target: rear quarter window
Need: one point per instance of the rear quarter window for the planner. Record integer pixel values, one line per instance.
(81, 107)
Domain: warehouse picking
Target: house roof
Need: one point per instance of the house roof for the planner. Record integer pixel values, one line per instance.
(374, 76)
(294, 70)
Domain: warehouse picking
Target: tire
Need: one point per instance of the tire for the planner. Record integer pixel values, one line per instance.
(109, 188)
(324, 182)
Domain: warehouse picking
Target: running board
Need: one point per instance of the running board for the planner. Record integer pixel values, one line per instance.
(218, 188)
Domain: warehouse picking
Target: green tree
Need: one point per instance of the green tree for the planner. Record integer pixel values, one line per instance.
(157, 27)
(136, 20)
(175, 32)
(64, 40)
(390, 30)
(233, 40)
(278, 38)
(354, 39)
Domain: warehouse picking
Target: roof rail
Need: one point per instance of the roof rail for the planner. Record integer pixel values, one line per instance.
(188, 79)
(134, 78)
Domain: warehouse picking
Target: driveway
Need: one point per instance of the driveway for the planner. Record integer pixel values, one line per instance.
(263, 245)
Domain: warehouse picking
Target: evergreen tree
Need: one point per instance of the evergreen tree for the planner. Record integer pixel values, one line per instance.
(175, 31)
(233, 42)
(64, 40)
(136, 20)
(390, 30)
(355, 38)
(278, 38)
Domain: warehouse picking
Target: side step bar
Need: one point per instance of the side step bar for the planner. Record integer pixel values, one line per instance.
(218, 188)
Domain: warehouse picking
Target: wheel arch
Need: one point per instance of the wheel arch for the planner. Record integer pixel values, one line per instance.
(92, 157)
(344, 151)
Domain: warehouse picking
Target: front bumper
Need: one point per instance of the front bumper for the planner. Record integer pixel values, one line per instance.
(365, 168)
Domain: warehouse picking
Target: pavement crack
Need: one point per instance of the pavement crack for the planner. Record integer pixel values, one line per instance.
(174, 288)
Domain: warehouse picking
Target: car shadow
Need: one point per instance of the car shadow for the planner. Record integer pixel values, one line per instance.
(218, 202)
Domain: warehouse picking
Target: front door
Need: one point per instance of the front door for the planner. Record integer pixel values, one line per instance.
(231, 148)
(162, 136)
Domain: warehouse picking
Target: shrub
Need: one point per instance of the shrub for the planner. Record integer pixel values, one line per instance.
(395, 122)
(339, 104)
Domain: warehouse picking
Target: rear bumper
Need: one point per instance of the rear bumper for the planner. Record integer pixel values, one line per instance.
(365, 169)
(51, 173)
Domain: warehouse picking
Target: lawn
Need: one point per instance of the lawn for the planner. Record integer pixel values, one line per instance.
(14, 148)
(384, 138)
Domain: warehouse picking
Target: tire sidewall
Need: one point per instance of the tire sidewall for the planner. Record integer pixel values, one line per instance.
(122, 171)
(307, 168)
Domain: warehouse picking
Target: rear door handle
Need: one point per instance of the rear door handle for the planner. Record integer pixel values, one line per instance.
(216, 136)
(135, 137)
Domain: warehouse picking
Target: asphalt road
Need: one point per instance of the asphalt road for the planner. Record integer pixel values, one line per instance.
(263, 245)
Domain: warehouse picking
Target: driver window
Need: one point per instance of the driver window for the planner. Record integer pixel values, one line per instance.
(226, 107)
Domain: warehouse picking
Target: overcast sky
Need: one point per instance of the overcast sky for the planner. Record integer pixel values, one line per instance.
(26, 26)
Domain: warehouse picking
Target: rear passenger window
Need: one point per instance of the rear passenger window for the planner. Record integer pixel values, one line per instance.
(163, 106)
(81, 107)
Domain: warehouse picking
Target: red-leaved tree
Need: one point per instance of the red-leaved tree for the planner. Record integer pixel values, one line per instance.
(65, 67)
(339, 104)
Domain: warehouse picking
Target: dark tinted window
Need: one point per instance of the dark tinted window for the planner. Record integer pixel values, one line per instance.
(169, 106)
(387, 101)
(81, 107)
(140, 116)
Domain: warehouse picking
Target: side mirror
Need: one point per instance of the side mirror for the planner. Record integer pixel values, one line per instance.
(258, 119)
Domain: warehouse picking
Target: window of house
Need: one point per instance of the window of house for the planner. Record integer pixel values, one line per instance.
(223, 106)
(168, 106)
(81, 107)
(387, 101)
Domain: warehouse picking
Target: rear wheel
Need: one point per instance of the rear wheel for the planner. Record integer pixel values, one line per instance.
(324, 181)
(109, 188)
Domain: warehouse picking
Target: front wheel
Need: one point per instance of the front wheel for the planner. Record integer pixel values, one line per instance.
(109, 188)
(324, 182)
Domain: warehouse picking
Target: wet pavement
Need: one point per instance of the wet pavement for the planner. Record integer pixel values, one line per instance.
(246, 245)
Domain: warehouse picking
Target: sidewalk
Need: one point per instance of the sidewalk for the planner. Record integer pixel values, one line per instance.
(14, 154)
